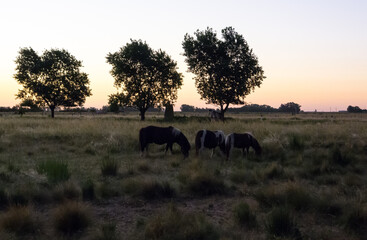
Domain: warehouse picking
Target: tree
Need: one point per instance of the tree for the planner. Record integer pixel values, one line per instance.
(290, 107)
(226, 70)
(355, 109)
(53, 79)
(187, 108)
(147, 78)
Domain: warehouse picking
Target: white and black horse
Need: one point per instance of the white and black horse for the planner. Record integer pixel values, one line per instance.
(209, 139)
(161, 135)
(244, 141)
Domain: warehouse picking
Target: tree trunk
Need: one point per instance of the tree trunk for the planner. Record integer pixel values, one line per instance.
(142, 114)
(52, 108)
(168, 113)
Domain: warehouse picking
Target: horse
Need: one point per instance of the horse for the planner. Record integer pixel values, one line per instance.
(163, 135)
(209, 139)
(215, 115)
(244, 141)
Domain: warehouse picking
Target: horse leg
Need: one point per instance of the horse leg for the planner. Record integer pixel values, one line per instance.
(211, 156)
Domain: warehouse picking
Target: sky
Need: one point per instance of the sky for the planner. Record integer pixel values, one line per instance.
(313, 52)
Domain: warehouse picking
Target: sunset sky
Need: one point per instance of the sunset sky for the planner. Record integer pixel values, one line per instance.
(313, 52)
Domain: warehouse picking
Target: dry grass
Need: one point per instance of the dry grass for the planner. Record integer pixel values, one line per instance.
(312, 164)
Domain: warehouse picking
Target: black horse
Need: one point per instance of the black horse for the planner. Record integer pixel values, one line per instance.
(209, 139)
(161, 135)
(244, 141)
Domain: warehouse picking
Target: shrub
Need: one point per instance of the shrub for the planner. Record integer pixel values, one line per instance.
(340, 158)
(55, 171)
(296, 142)
(109, 166)
(355, 220)
(328, 205)
(244, 216)
(107, 232)
(155, 190)
(70, 218)
(88, 190)
(274, 170)
(67, 191)
(144, 167)
(108, 190)
(280, 223)
(3, 197)
(203, 184)
(297, 197)
(173, 224)
(19, 220)
(19, 196)
(242, 176)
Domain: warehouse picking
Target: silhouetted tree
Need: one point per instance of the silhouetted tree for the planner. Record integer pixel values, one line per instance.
(147, 78)
(187, 108)
(290, 107)
(226, 70)
(53, 79)
(32, 104)
(355, 109)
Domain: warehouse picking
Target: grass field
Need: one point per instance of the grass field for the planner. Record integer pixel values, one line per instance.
(82, 177)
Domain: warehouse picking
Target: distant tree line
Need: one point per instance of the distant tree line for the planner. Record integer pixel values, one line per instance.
(290, 107)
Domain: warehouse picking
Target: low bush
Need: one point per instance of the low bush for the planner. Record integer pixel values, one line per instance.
(244, 216)
(55, 171)
(19, 220)
(339, 157)
(107, 231)
(174, 224)
(155, 190)
(67, 191)
(296, 142)
(204, 184)
(355, 220)
(70, 218)
(88, 190)
(280, 223)
(109, 166)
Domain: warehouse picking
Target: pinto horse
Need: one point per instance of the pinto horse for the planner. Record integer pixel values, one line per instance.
(161, 135)
(209, 139)
(244, 141)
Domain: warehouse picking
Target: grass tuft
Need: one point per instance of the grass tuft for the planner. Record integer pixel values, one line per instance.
(244, 216)
(280, 223)
(109, 166)
(55, 171)
(174, 224)
(70, 218)
(19, 220)
(204, 184)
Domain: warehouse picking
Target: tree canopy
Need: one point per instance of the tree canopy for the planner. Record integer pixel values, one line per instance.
(147, 78)
(53, 79)
(226, 70)
(290, 107)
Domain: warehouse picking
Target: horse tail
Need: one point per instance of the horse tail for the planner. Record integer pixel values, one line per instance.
(142, 140)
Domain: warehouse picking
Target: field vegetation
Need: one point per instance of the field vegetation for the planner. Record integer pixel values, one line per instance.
(82, 177)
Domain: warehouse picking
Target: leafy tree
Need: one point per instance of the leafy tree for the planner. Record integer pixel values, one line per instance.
(187, 108)
(147, 78)
(226, 70)
(355, 109)
(290, 107)
(32, 104)
(53, 79)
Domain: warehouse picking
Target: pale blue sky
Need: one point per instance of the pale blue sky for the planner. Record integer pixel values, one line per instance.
(313, 52)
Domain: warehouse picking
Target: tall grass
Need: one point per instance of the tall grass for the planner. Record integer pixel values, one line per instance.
(55, 170)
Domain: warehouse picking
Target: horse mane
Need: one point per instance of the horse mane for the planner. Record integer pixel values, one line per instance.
(175, 131)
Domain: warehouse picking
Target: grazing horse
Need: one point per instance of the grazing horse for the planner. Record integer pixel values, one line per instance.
(209, 139)
(214, 115)
(161, 135)
(244, 141)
